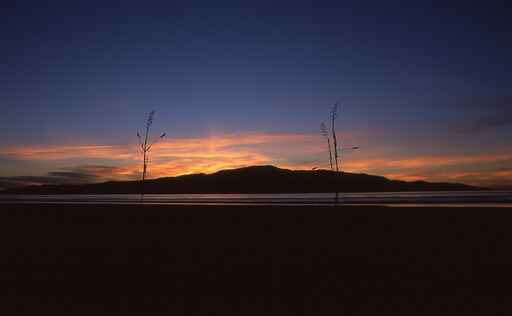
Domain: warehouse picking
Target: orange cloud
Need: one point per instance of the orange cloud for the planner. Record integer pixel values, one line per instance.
(177, 156)
(65, 152)
(424, 161)
(471, 169)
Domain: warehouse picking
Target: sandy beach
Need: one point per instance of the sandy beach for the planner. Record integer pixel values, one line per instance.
(255, 260)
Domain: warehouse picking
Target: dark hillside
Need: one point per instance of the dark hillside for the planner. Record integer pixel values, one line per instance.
(255, 179)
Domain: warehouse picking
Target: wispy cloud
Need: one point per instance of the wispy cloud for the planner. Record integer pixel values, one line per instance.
(173, 156)
(416, 162)
(65, 152)
(216, 146)
(77, 175)
(494, 113)
(488, 122)
(483, 169)
(177, 156)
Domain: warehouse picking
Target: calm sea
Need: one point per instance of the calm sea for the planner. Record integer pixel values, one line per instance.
(450, 198)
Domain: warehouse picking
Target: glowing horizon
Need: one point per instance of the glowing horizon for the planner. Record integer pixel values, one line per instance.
(180, 156)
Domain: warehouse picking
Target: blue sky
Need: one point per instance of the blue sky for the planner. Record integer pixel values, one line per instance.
(415, 80)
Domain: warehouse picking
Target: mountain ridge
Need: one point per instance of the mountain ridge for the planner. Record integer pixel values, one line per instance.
(252, 179)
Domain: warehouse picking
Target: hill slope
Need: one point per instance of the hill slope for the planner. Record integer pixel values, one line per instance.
(256, 179)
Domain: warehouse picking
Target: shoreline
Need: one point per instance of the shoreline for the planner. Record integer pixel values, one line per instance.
(479, 205)
(418, 199)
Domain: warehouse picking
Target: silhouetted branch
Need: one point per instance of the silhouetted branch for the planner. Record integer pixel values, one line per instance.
(157, 140)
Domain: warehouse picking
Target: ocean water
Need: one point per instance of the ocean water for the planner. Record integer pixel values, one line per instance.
(446, 198)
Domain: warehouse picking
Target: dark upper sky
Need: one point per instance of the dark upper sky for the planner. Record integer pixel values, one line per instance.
(415, 79)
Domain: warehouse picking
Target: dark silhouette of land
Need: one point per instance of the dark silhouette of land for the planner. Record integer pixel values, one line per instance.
(254, 260)
(256, 179)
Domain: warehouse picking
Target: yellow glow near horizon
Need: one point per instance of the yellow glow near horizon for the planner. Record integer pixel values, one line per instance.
(178, 156)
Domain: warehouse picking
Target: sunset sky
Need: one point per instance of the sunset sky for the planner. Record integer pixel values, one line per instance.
(425, 89)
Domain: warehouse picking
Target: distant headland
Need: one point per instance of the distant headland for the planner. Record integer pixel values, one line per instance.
(254, 179)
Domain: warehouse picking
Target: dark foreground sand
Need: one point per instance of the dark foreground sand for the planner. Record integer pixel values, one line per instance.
(255, 260)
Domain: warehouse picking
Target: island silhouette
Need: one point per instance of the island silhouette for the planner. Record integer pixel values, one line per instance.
(253, 179)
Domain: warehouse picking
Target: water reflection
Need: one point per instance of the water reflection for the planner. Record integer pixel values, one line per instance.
(451, 198)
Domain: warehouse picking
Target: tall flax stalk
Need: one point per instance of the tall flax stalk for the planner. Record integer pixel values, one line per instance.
(145, 146)
(334, 115)
(323, 130)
